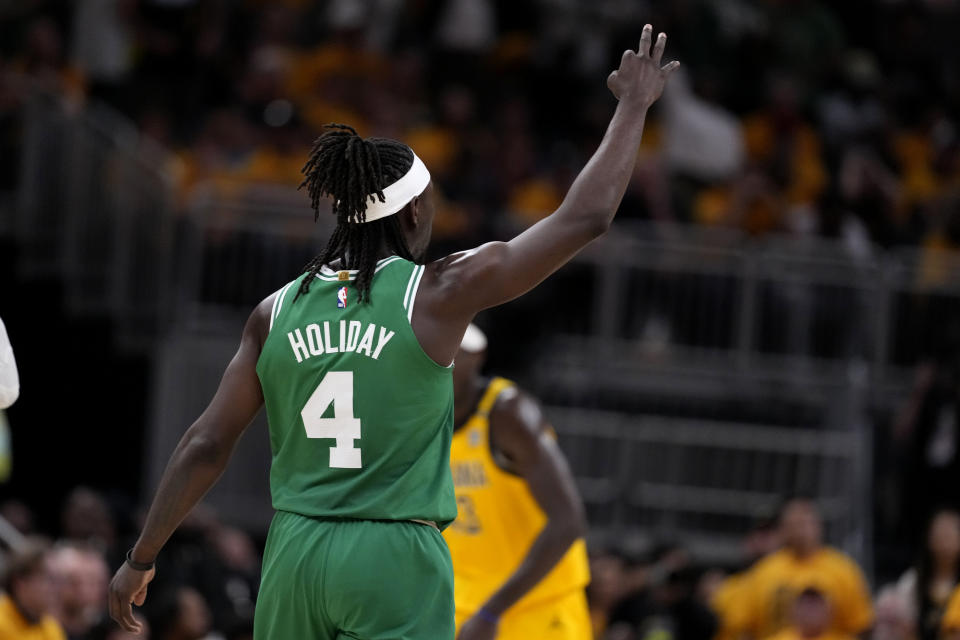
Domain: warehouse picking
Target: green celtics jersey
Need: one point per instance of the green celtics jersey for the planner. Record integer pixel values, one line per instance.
(360, 417)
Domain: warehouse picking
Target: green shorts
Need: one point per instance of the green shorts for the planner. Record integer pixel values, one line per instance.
(363, 579)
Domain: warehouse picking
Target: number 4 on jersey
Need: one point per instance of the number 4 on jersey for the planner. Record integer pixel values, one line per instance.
(336, 387)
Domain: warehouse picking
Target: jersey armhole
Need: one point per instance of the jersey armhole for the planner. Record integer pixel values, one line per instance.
(409, 299)
(278, 304)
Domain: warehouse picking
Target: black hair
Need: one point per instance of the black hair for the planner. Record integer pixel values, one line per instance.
(351, 169)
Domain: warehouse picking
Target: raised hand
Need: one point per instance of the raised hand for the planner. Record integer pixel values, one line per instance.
(640, 79)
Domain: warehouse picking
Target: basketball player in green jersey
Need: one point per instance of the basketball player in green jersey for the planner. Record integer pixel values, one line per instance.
(352, 360)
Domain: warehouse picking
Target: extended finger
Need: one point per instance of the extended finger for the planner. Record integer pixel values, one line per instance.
(670, 67)
(658, 47)
(124, 615)
(645, 39)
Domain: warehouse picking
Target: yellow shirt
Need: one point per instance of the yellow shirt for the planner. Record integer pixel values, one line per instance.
(497, 522)
(731, 605)
(776, 581)
(951, 616)
(13, 626)
(792, 634)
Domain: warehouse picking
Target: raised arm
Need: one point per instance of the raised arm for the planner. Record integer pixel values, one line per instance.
(521, 433)
(196, 464)
(455, 288)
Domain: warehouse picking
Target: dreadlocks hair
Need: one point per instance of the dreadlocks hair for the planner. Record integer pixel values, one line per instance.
(351, 169)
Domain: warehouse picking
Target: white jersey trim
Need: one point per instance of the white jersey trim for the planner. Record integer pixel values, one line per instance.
(413, 295)
(278, 304)
(329, 275)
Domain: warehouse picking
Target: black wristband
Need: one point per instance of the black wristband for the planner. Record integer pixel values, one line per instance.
(138, 566)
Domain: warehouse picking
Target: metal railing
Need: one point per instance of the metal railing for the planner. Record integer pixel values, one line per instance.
(95, 207)
(648, 479)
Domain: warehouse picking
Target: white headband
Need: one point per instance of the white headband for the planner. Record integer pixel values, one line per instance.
(398, 194)
(474, 340)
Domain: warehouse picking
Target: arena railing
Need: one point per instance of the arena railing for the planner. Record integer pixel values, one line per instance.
(95, 207)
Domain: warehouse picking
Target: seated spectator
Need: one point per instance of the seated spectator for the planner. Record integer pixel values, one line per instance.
(29, 596)
(728, 601)
(179, 614)
(805, 562)
(927, 586)
(810, 619)
(87, 517)
(950, 625)
(82, 579)
(895, 619)
(667, 603)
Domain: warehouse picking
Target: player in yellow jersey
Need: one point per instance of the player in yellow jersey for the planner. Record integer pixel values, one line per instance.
(950, 624)
(519, 561)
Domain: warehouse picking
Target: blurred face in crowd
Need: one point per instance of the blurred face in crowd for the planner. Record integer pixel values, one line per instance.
(811, 614)
(87, 516)
(193, 619)
(82, 577)
(894, 616)
(607, 575)
(943, 541)
(801, 527)
(35, 593)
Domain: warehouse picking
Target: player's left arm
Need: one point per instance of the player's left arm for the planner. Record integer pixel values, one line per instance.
(197, 463)
(521, 433)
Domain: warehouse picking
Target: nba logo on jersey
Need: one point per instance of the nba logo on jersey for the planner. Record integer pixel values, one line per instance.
(342, 298)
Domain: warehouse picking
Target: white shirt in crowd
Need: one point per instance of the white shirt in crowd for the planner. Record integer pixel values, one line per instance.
(9, 379)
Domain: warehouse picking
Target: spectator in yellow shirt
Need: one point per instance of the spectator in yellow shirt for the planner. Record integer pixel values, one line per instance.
(950, 624)
(811, 617)
(28, 597)
(805, 562)
(728, 602)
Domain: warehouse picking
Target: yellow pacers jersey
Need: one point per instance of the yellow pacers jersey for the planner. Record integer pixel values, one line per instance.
(731, 605)
(951, 616)
(497, 521)
(773, 584)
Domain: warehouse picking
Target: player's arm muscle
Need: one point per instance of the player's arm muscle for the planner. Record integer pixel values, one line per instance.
(522, 434)
(206, 447)
(498, 272)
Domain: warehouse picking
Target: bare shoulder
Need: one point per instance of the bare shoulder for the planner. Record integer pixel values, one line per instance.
(258, 323)
(517, 418)
(457, 272)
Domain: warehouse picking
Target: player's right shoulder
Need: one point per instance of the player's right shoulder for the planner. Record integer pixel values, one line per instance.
(458, 274)
(265, 314)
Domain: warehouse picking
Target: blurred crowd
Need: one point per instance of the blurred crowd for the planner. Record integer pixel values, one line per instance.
(795, 116)
(790, 116)
(55, 579)
(788, 584)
